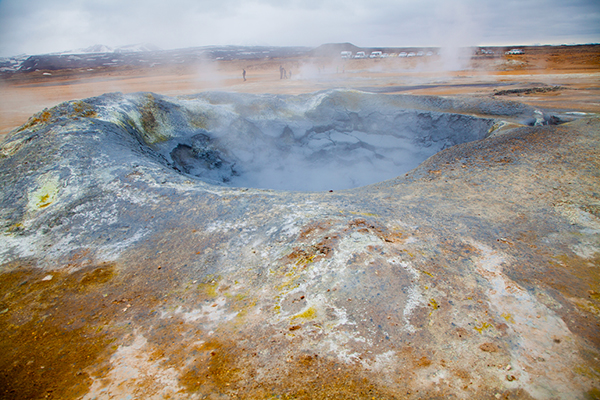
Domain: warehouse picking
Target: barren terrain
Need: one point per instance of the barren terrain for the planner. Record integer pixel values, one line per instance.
(133, 266)
(576, 69)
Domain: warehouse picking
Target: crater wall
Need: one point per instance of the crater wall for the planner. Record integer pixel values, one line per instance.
(131, 266)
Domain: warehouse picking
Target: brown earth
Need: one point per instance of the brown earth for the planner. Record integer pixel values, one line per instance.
(576, 69)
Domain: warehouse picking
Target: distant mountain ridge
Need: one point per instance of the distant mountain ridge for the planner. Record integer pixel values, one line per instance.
(103, 57)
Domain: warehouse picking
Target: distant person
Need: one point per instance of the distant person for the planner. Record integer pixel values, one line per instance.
(281, 72)
(290, 74)
(244, 74)
(284, 74)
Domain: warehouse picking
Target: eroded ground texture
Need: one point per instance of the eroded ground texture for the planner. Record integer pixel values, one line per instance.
(135, 265)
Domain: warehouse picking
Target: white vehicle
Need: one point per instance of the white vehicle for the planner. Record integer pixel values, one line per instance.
(429, 54)
(403, 54)
(376, 54)
(346, 54)
(411, 54)
(514, 51)
(360, 54)
(420, 54)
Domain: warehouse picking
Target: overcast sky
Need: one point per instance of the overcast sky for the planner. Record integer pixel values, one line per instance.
(44, 26)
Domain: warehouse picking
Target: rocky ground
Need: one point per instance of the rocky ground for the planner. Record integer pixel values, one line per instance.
(126, 272)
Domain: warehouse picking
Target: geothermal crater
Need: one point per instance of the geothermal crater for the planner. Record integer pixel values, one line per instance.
(131, 268)
(333, 140)
(315, 142)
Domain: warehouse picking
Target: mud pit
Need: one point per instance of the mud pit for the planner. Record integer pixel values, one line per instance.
(325, 141)
(331, 140)
(132, 265)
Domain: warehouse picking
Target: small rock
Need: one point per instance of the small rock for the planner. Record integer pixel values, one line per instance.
(47, 278)
(489, 347)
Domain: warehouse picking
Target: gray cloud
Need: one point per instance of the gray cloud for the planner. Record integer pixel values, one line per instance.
(37, 26)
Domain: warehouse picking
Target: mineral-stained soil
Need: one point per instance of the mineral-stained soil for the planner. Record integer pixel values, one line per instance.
(474, 275)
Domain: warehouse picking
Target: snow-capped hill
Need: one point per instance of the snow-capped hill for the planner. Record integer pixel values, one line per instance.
(12, 64)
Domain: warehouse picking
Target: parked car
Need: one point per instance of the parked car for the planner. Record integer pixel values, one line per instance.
(411, 54)
(515, 51)
(360, 54)
(376, 54)
(346, 54)
(403, 54)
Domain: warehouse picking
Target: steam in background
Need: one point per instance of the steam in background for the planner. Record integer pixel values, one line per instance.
(38, 27)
